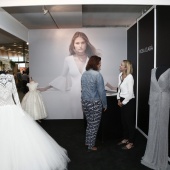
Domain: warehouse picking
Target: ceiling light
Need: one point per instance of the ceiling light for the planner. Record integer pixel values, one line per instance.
(45, 11)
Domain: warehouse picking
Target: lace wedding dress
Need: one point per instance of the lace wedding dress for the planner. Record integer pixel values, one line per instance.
(33, 103)
(24, 145)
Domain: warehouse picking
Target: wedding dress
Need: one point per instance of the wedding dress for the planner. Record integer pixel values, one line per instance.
(24, 145)
(33, 103)
(156, 153)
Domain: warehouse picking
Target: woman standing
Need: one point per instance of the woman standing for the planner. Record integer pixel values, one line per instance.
(126, 102)
(93, 99)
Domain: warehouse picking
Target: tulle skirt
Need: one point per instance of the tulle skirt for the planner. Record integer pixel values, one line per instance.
(33, 104)
(24, 145)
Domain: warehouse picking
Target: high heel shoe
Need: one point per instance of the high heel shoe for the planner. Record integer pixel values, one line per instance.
(128, 146)
(124, 141)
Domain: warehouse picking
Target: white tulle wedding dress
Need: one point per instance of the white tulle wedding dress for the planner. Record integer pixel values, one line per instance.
(24, 145)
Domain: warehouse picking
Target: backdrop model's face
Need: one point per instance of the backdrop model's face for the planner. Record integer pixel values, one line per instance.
(79, 46)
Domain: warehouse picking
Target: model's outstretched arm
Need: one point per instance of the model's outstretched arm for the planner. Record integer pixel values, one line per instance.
(41, 89)
(62, 82)
(110, 86)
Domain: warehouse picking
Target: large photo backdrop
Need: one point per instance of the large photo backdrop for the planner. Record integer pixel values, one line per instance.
(51, 63)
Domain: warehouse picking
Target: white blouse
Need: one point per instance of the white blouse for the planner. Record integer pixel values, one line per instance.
(125, 88)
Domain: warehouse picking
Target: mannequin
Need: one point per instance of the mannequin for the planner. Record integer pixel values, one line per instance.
(160, 70)
(33, 103)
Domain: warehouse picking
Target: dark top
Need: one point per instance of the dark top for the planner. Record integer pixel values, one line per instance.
(160, 70)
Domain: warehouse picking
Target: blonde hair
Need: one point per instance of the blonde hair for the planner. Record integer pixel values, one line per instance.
(129, 67)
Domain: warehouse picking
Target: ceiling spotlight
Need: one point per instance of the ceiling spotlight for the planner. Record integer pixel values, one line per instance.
(45, 11)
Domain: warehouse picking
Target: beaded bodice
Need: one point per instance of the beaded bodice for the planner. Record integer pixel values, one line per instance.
(8, 91)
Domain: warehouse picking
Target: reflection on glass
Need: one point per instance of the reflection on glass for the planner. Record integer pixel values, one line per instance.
(12, 50)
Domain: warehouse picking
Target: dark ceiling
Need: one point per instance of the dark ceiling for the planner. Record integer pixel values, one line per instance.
(71, 16)
(77, 16)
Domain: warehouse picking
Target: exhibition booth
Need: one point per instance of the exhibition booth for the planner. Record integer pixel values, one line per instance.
(145, 43)
(148, 42)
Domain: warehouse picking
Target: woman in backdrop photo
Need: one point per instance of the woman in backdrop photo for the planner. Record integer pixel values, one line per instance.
(70, 79)
(24, 145)
(126, 102)
(93, 99)
(74, 66)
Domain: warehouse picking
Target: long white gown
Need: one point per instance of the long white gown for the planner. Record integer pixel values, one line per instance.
(24, 145)
(33, 103)
(70, 83)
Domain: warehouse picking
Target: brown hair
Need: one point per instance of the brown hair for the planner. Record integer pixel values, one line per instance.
(93, 63)
(90, 49)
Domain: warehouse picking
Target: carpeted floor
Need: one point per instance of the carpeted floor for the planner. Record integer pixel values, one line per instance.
(70, 135)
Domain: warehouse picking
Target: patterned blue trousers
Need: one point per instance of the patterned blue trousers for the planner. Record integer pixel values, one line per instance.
(92, 111)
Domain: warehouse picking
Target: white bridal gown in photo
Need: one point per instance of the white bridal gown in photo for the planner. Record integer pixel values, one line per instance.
(24, 145)
(70, 83)
(33, 103)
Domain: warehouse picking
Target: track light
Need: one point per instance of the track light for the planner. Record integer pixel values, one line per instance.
(45, 11)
